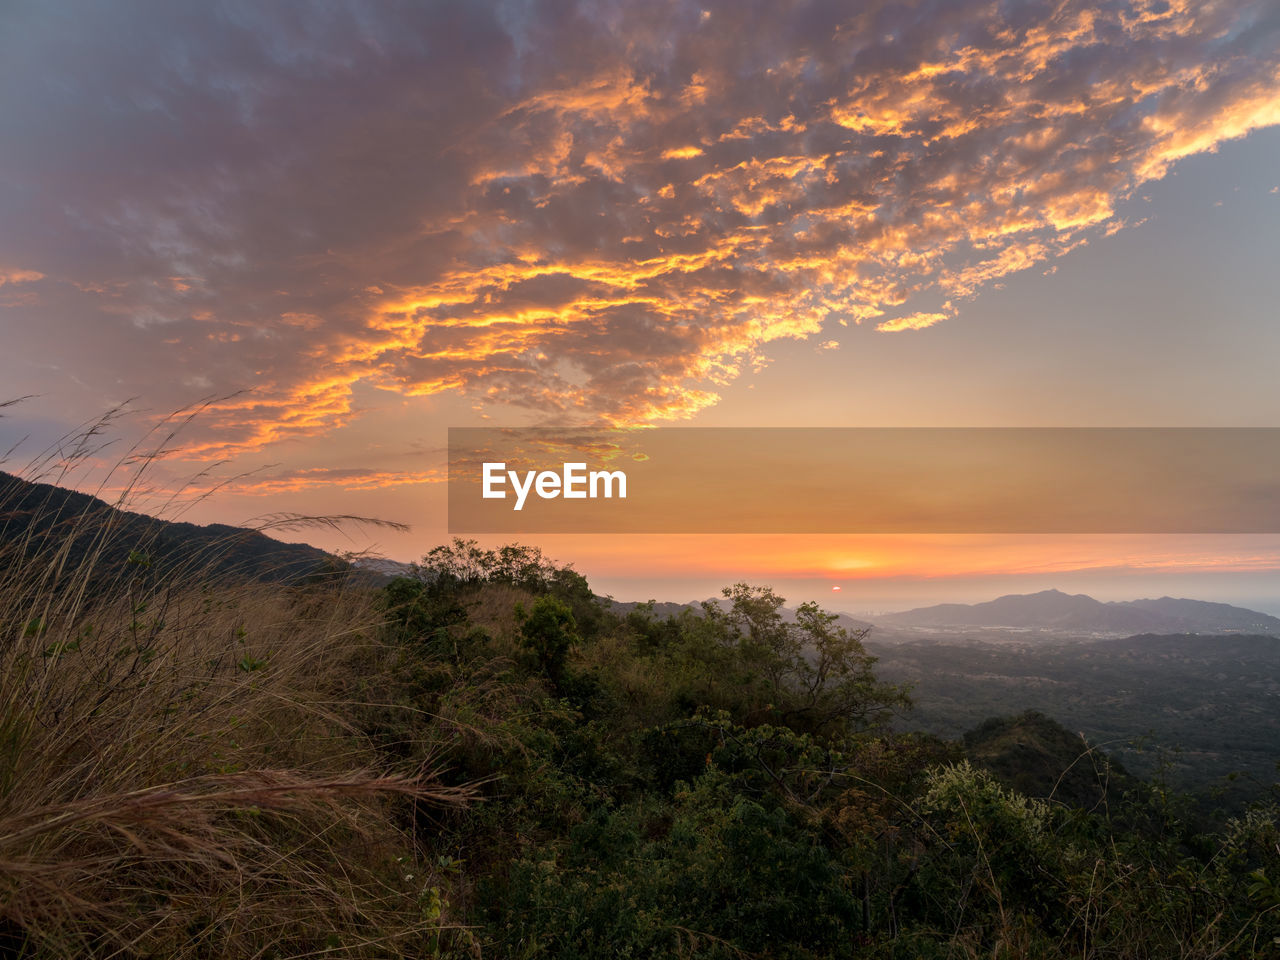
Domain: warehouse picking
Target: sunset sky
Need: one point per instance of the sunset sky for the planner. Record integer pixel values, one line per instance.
(354, 225)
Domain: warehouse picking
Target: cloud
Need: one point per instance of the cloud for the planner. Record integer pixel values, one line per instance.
(915, 321)
(347, 480)
(601, 213)
(264, 483)
(10, 275)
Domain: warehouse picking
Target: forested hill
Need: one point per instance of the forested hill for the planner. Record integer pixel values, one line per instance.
(37, 517)
(725, 780)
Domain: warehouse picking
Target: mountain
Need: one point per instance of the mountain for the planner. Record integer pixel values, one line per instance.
(1209, 699)
(1200, 616)
(39, 519)
(1053, 611)
(652, 609)
(1039, 757)
(663, 610)
(383, 568)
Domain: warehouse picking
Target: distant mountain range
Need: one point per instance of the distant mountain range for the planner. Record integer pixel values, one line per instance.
(661, 611)
(1050, 611)
(381, 566)
(1062, 613)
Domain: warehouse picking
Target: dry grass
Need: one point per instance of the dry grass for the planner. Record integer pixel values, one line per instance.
(179, 773)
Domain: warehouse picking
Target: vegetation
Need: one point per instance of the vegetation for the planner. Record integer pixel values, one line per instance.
(724, 783)
(482, 759)
(183, 769)
(1197, 711)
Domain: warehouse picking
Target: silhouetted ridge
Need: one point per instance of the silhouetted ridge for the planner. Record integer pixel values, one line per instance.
(37, 519)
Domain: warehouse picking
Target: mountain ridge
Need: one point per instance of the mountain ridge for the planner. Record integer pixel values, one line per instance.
(1055, 611)
(35, 515)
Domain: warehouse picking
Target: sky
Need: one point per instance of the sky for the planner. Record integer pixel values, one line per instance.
(336, 230)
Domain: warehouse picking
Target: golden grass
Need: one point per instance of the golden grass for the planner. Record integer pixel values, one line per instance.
(180, 771)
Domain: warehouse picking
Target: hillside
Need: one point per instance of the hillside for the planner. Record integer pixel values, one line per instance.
(1214, 701)
(37, 518)
(1039, 757)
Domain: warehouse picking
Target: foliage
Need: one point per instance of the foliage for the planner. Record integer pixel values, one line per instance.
(1212, 696)
(214, 769)
(549, 632)
(723, 782)
(708, 871)
(182, 773)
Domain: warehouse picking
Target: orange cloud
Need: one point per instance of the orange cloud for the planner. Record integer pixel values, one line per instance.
(602, 219)
(10, 275)
(916, 321)
(681, 153)
(331, 478)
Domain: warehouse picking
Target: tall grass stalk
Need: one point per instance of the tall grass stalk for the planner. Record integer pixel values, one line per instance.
(180, 773)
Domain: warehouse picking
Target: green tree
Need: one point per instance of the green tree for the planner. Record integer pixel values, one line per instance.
(810, 672)
(549, 632)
